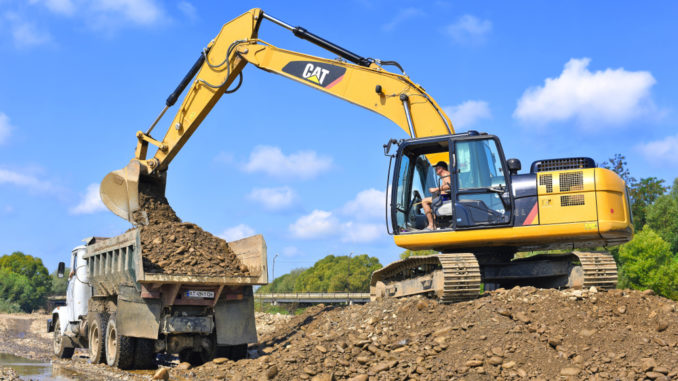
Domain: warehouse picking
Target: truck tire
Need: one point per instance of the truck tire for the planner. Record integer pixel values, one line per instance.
(59, 344)
(119, 348)
(204, 354)
(232, 352)
(95, 339)
(144, 354)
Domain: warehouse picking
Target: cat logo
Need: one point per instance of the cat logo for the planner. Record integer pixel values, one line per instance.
(318, 73)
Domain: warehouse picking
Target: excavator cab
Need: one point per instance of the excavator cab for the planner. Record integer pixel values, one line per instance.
(479, 194)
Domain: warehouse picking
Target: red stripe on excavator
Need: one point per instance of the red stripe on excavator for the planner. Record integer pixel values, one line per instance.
(530, 217)
(331, 85)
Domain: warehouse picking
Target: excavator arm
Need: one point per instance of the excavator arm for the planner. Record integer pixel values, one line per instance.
(359, 80)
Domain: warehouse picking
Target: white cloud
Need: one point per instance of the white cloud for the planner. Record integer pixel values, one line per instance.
(188, 10)
(660, 151)
(402, 16)
(26, 34)
(63, 7)
(90, 203)
(141, 12)
(5, 127)
(469, 30)
(362, 232)
(367, 204)
(30, 182)
(468, 113)
(271, 161)
(613, 96)
(318, 224)
(237, 232)
(290, 251)
(273, 199)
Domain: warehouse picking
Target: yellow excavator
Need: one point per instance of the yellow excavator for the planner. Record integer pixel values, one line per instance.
(483, 211)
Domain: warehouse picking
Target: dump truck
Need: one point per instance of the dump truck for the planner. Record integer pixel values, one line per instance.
(125, 315)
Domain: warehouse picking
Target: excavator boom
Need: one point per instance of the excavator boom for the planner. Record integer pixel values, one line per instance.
(353, 78)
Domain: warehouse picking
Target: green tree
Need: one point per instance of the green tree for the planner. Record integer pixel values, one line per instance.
(413, 253)
(283, 283)
(647, 262)
(337, 274)
(16, 289)
(30, 274)
(662, 217)
(643, 194)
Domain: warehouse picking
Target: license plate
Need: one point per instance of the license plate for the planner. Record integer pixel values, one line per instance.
(199, 294)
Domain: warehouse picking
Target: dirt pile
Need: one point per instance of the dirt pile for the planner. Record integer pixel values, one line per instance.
(25, 335)
(8, 374)
(522, 333)
(171, 246)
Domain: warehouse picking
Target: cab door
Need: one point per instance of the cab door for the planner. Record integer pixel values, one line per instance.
(481, 184)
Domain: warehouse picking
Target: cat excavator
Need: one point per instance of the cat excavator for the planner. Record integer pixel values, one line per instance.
(486, 213)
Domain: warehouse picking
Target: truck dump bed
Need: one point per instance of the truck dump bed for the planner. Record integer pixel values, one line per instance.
(118, 261)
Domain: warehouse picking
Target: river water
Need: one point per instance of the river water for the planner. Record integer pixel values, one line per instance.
(36, 370)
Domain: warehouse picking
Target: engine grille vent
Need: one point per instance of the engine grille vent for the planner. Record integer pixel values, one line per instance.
(572, 200)
(548, 181)
(562, 164)
(571, 181)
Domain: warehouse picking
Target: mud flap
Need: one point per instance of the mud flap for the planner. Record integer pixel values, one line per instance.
(137, 317)
(235, 321)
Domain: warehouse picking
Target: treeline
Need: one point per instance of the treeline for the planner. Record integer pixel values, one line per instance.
(330, 274)
(25, 283)
(650, 260)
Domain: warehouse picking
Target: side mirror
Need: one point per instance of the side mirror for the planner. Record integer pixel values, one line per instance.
(61, 269)
(513, 166)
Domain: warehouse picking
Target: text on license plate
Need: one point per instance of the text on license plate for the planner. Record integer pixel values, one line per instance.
(199, 294)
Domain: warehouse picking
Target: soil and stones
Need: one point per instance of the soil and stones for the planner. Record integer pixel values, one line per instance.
(170, 246)
(518, 334)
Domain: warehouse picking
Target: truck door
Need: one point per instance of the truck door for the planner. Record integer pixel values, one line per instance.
(481, 190)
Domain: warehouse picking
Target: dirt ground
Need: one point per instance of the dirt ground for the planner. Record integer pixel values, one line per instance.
(522, 333)
(171, 246)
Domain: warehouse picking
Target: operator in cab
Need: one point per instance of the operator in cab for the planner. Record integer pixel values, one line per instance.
(442, 193)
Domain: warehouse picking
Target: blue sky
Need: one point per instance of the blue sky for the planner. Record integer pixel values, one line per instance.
(80, 77)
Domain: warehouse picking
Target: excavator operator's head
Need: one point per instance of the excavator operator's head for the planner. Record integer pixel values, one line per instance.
(442, 165)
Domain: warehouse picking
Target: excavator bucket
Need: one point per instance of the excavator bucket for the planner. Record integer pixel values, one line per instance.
(119, 191)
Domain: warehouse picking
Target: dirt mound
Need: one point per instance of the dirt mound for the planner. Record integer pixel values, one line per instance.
(523, 333)
(25, 335)
(171, 246)
(8, 374)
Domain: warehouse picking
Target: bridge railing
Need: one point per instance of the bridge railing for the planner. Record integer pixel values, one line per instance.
(313, 297)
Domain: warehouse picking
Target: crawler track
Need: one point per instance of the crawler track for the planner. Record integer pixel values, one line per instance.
(457, 277)
(600, 269)
(462, 277)
(450, 277)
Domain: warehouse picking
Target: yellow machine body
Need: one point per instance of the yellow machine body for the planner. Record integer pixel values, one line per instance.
(574, 209)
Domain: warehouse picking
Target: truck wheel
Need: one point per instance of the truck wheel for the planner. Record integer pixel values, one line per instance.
(204, 354)
(97, 349)
(232, 352)
(119, 348)
(144, 354)
(59, 344)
